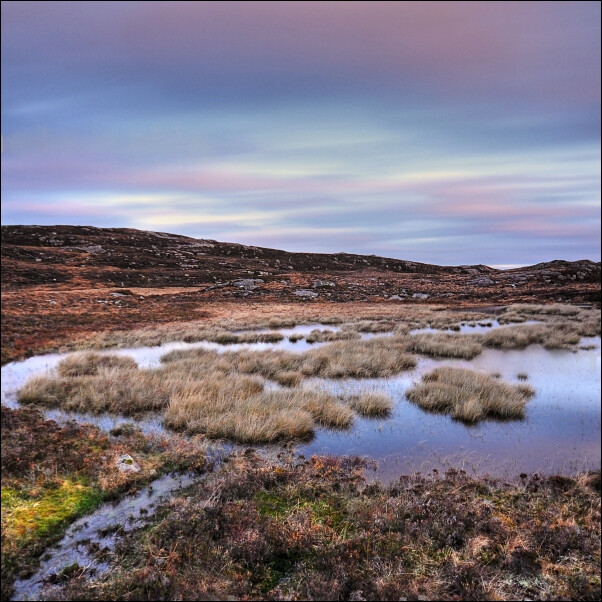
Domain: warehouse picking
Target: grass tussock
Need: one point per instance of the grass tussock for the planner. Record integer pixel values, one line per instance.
(445, 345)
(264, 417)
(372, 358)
(201, 391)
(119, 391)
(469, 396)
(551, 336)
(372, 405)
(87, 364)
(326, 336)
(373, 326)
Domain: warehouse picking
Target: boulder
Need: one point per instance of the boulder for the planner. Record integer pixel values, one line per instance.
(125, 463)
(306, 293)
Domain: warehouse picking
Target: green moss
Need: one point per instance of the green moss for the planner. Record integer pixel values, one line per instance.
(329, 511)
(29, 515)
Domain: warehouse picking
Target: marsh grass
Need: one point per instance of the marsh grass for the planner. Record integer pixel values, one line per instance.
(324, 336)
(551, 336)
(264, 417)
(445, 345)
(372, 326)
(372, 405)
(469, 396)
(86, 364)
(372, 358)
(222, 395)
(120, 391)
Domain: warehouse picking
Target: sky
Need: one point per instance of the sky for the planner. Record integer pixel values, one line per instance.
(441, 132)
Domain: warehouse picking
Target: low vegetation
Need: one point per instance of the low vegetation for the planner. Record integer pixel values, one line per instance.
(469, 396)
(445, 345)
(373, 405)
(316, 530)
(222, 395)
(257, 417)
(324, 336)
(557, 336)
(53, 474)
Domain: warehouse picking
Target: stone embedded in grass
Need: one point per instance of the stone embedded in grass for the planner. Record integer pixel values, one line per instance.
(125, 463)
(469, 396)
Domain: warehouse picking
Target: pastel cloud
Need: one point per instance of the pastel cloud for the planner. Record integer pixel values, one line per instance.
(445, 132)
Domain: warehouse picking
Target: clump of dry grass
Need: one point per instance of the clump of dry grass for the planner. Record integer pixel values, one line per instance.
(282, 323)
(330, 320)
(120, 391)
(201, 391)
(372, 358)
(376, 357)
(374, 326)
(296, 337)
(85, 364)
(324, 336)
(289, 378)
(469, 396)
(375, 405)
(557, 336)
(229, 338)
(522, 376)
(445, 345)
(554, 309)
(264, 417)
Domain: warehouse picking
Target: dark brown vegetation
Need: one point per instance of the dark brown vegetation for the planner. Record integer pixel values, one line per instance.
(315, 530)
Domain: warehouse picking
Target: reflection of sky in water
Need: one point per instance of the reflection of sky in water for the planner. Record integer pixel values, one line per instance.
(561, 431)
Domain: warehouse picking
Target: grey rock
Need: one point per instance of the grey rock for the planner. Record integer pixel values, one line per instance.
(306, 293)
(420, 296)
(246, 283)
(318, 283)
(125, 463)
(482, 282)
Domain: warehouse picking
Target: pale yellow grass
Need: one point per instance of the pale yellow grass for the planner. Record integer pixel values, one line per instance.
(469, 396)
(445, 345)
(373, 404)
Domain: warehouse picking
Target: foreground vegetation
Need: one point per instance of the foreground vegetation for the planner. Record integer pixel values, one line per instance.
(315, 530)
(53, 474)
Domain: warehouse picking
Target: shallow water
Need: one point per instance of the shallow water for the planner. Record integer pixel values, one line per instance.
(101, 529)
(474, 327)
(561, 431)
